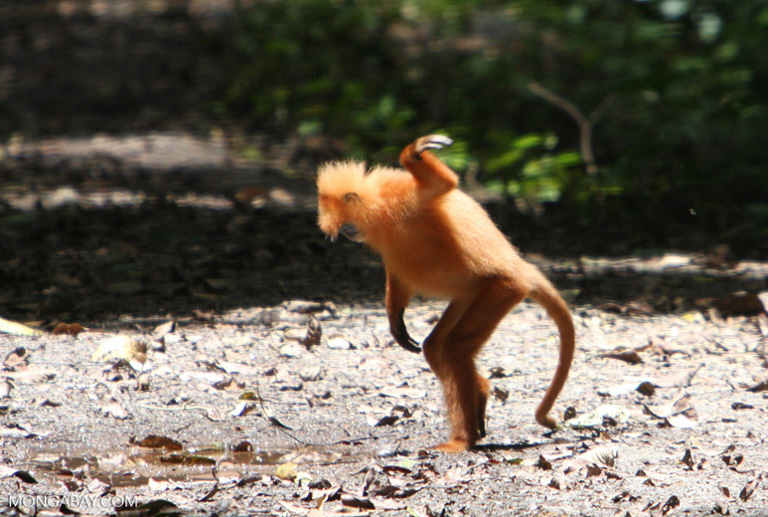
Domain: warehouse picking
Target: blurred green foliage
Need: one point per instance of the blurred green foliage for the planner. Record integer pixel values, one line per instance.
(681, 87)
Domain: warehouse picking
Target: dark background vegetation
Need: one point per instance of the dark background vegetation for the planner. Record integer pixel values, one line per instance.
(676, 89)
(597, 126)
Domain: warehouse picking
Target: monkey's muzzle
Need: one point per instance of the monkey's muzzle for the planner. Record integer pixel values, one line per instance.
(351, 232)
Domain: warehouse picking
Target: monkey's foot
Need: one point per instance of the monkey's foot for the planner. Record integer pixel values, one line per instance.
(453, 445)
(547, 421)
(431, 142)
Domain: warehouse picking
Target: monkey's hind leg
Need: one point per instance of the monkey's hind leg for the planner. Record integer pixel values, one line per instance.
(452, 358)
(483, 394)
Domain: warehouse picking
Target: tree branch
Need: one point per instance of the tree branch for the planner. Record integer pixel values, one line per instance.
(585, 123)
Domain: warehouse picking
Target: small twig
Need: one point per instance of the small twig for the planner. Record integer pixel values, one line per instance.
(182, 408)
(214, 490)
(273, 421)
(585, 123)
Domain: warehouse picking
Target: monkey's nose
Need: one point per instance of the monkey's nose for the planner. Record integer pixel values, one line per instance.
(351, 232)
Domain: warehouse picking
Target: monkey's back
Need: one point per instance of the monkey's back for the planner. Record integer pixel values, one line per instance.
(442, 246)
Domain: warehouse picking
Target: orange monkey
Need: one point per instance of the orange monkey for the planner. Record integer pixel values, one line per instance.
(435, 240)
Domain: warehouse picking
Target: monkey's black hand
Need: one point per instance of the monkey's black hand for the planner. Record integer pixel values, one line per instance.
(400, 333)
(431, 142)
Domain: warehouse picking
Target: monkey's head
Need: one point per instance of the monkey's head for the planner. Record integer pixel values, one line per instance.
(341, 194)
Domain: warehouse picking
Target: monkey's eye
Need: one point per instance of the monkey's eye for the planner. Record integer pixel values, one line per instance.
(351, 196)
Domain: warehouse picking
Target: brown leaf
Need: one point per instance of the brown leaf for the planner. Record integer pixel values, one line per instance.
(156, 507)
(646, 388)
(749, 489)
(314, 333)
(543, 463)
(741, 303)
(153, 441)
(763, 386)
(387, 420)
(593, 470)
(26, 477)
(628, 356)
(357, 502)
(497, 372)
(687, 459)
(244, 446)
(247, 194)
(185, 458)
(71, 329)
(671, 503)
(610, 307)
(500, 394)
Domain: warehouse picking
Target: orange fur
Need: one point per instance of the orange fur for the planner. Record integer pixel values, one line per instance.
(436, 240)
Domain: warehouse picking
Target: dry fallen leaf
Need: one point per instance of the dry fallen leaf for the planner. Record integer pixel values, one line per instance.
(6, 386)
(314, 333)
(687, 459)
(403, 392)
(156, 507)
(26, 477)
(762, 386)
(215, 414)
(628, 356)
(287, 471)
(17, 329)
(71, 329)
(16, 357)
(602, 454)
(749, 489)
(543, 463)
(646, 388)
(153, 441)
(242, 408)
(31, 376)
(598, 416)
(121, 348)
(741, 303)
(680, 414)
(113, 408)
(313, 512)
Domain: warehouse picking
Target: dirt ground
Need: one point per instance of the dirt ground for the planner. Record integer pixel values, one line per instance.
(201, 387)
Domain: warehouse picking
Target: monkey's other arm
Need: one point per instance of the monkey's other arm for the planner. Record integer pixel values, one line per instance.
(432, 175)
(397, 299)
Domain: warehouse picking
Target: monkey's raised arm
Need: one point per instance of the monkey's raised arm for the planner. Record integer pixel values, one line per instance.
(397, 299)
(433, 176)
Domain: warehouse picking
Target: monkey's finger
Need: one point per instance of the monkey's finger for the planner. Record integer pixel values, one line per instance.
(401, 335)
(409, 344)
(432, 142)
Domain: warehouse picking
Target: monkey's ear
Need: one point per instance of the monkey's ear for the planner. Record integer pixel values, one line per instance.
(350, 197)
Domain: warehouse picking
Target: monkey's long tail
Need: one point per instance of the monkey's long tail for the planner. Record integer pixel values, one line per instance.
(546, 294)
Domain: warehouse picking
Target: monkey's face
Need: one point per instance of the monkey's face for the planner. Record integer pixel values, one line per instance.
(342, 189)
(339, 216)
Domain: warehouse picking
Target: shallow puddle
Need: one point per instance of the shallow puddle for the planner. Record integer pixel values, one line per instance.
(137, 466)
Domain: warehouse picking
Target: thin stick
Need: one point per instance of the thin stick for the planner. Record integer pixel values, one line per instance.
(585, 123)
